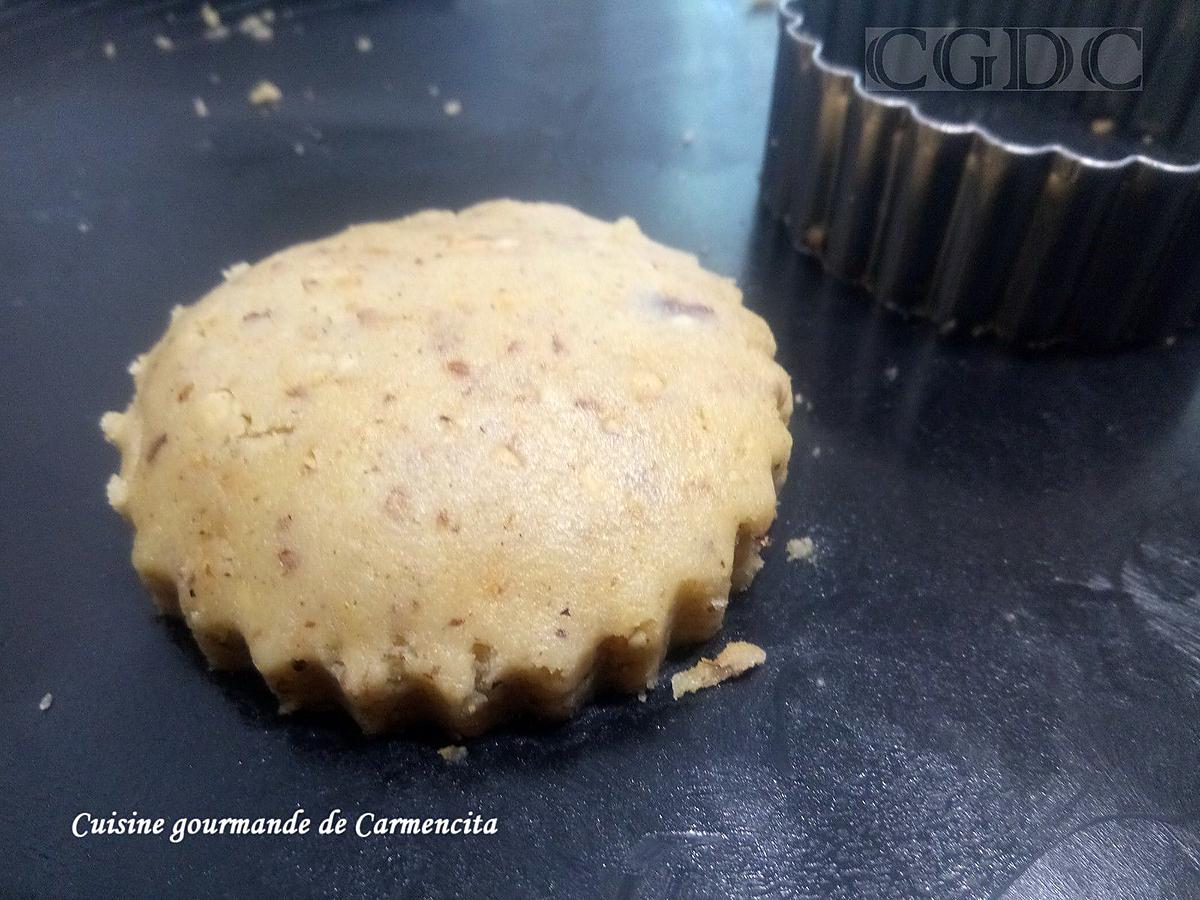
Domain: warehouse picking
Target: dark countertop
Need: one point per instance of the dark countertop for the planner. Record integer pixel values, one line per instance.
(988, 684)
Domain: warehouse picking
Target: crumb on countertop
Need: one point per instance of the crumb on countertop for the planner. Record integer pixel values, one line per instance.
(164, 43)
(363, 44)
(891, 373)
(265, 93)
(453, 753)
(452, 107)
(200, 107)
(109, 49)
(801, 549)
(737, 658)
(44, 703)
(209, 16)
(257, 27)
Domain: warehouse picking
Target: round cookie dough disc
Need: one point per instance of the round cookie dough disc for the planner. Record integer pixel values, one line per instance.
(455, 466)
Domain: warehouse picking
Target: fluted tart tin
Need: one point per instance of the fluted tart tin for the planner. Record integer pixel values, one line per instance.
(1040, 218)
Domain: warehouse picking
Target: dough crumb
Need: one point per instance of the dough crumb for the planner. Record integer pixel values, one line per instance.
(235, 270)
(891, 373)
(816, 452)
(256, 28)
(688, 137)
(363, 44)
(1102, 126)
(265, 93)
(164, 43)
(44, 703)
(453, 753)
(200, 107)
(109, 49)
(452, 107)
(801, 549)
(736, 659)
(209, 16)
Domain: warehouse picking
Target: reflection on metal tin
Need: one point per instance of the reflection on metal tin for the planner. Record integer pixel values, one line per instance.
(1038, 217)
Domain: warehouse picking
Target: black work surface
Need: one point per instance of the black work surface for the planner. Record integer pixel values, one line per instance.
(987, 684)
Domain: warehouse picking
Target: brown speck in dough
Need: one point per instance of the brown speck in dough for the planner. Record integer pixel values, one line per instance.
(557, 345)
(369, 316)
(396, 503)
(256, 315)
(297, 392)
(155, 446)
(299, 665)
(454, 623)
(287, 559)
(309, 623)
(560, 632)
(389, 398)
(309, 284)
(565, 612)
(514, 347)
(444, 521)
(676, 307)
(184, 393)
(459, 368)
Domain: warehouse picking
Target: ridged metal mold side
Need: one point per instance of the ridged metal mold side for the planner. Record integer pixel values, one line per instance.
(1037, 245)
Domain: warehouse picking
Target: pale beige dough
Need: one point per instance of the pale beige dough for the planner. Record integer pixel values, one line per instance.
(455, 466)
